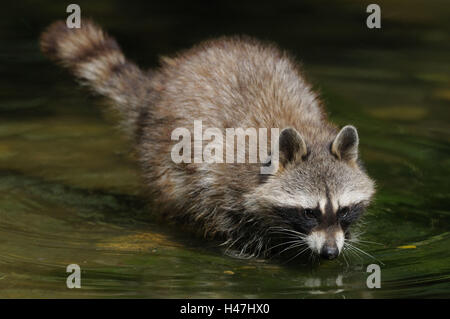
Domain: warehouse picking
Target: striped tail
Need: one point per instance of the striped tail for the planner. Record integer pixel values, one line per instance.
(96, 60)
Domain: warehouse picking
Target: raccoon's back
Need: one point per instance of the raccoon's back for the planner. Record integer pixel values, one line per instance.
(236, 82)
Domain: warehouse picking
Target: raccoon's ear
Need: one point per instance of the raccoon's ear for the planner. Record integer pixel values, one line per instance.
(345, 145)
(291, 145)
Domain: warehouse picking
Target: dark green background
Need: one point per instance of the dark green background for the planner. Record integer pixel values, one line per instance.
(70, 192)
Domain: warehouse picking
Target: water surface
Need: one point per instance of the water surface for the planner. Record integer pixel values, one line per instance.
(70, 190)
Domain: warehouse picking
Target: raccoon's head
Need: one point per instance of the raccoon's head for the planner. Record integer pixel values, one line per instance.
(318, 192)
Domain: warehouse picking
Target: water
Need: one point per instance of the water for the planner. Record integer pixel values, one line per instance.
(70, 191)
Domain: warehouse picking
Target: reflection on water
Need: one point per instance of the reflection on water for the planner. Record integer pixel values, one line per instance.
(70, 191)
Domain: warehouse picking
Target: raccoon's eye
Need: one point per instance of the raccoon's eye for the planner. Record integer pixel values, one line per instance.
(343, 212)
(349, 215)
(309, 213)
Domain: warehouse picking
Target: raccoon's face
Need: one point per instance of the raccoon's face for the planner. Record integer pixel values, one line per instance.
(319, 191)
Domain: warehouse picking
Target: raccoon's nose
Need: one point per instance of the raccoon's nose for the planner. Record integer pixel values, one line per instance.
(329, 252)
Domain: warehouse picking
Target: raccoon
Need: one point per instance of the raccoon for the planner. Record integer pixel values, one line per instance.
(320, 188)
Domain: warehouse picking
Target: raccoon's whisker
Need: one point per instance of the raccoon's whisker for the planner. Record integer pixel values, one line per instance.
(345, 258)
(294, 232)
(287, 233)
(278, 227)
(359, 243)
(351, 249)
(298, 254)
(285, 243)
(353, 252)
(364, 252)
(292, 246)
(288, 236)
(364, 241)
(287, 230)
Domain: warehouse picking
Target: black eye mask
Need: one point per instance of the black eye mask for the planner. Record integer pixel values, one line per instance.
(349, 215)
(299, 219)
(303, 220)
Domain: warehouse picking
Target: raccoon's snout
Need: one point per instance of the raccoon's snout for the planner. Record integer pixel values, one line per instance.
(329, 251)
(326, 243)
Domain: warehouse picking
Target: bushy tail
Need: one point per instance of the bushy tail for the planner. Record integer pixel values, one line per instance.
(96, 59)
